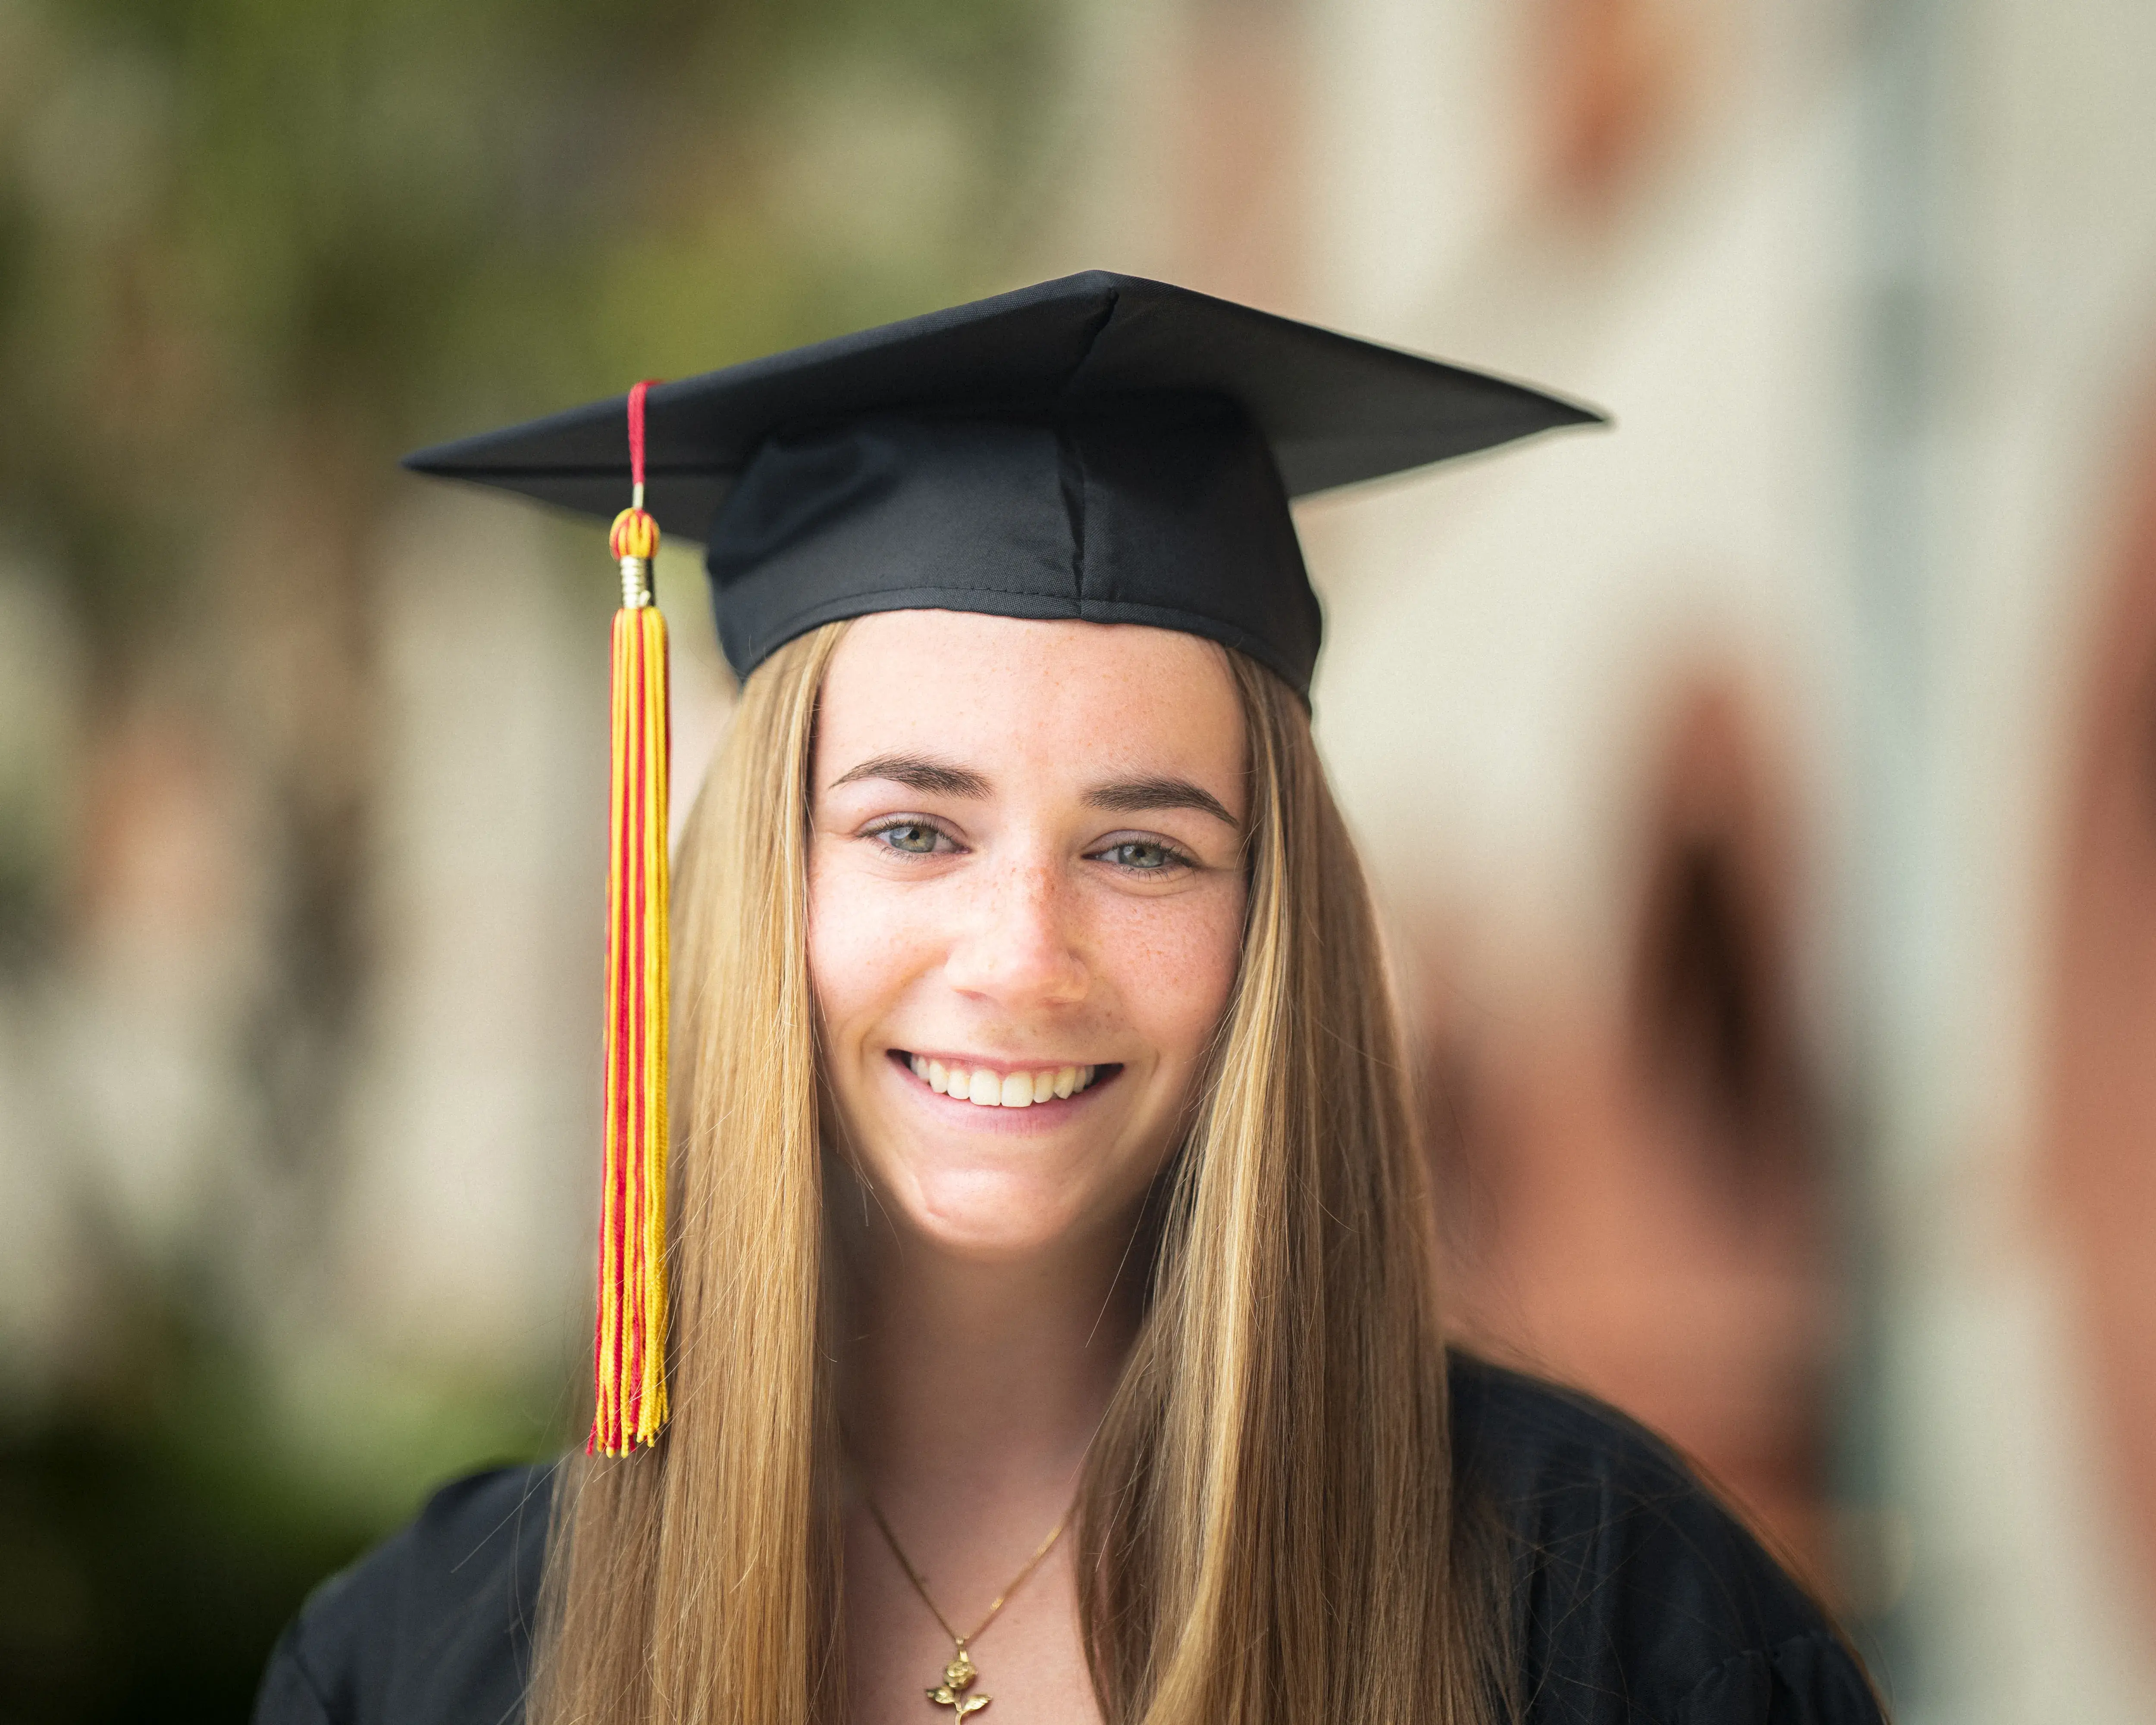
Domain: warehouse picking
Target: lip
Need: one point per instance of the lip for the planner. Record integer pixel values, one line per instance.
(1036, 1117)
(996, 1063)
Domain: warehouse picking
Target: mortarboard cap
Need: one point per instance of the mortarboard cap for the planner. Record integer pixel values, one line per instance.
(1099, 447)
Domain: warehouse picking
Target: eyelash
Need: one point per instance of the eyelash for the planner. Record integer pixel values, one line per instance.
(1176, 861)
(906, 824)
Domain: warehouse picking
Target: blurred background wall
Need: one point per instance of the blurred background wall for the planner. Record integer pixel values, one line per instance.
(1763, 793)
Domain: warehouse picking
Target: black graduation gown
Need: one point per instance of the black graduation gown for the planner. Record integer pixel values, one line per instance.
(1636, 1597)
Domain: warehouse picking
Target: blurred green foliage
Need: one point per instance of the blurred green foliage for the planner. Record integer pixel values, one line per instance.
(226, 223)
(250, 252)
(152, 1543)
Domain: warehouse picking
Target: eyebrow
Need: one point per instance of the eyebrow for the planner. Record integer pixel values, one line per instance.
(1129, 796)
(1134, 795)
(918, 773)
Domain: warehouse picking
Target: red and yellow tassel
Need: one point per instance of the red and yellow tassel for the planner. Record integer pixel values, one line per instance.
(629, 1366)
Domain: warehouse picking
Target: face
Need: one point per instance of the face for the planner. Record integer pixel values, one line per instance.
(1025, 898)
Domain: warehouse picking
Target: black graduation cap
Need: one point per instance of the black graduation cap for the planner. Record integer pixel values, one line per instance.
(1099, 447)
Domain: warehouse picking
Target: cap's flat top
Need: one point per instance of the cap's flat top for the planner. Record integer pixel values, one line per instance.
(1333, 408)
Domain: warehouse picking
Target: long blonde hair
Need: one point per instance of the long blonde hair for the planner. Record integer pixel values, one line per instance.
(1267, 1527)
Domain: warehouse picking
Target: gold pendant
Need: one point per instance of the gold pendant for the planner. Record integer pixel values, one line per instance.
(957, 1678)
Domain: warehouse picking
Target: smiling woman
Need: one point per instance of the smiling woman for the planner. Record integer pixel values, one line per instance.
(1043, 1157)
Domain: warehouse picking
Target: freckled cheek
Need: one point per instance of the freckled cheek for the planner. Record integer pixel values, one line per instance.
(862, 955)
(1173, 961)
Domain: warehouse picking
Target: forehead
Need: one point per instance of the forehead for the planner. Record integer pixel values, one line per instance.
(1052, 694)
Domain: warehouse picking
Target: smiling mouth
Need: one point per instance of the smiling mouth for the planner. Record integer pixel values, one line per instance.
(990, 1087)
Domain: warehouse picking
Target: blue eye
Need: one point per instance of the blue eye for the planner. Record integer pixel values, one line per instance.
(1143, 855)
(915, 838)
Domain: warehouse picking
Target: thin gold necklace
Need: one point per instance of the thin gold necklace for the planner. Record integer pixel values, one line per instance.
(959, 1675)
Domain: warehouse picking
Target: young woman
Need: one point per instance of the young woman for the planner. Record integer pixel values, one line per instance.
(1055, 1318)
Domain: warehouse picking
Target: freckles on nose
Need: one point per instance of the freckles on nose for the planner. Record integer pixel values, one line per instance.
(1022, 941)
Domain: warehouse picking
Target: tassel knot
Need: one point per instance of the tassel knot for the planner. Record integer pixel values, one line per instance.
(634, 542)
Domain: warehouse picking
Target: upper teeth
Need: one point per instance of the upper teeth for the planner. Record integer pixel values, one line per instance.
(988, 1088)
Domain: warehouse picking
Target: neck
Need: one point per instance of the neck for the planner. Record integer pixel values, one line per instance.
(983, 1378)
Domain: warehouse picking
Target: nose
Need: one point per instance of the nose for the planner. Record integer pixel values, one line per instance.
(1020, 948)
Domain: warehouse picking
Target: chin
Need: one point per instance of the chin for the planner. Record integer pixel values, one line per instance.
(987, 1219)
